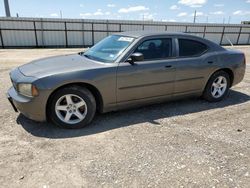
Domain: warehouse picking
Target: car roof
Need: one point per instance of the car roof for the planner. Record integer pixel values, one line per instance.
(139, 34)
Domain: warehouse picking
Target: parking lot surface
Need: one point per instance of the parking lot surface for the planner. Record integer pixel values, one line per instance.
(185, 143)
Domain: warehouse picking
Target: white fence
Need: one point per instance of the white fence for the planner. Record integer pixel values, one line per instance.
(38, 32)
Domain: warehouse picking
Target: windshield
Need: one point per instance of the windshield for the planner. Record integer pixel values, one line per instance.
(109, 49)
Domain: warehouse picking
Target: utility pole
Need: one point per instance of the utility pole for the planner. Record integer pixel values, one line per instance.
(7, 8)
(194, 16)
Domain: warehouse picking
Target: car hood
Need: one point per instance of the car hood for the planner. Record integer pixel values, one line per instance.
(58, 64)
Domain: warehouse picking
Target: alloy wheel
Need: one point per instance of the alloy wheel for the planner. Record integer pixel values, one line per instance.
(71, 109)
(219, 87)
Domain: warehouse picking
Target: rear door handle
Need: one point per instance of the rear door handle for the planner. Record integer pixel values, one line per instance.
(210, 62)
(168, 66)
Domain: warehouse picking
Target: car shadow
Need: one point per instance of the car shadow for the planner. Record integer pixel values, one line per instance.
(115, 120)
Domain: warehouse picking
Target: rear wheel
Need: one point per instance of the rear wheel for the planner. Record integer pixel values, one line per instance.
(72, 107)
(217, 87)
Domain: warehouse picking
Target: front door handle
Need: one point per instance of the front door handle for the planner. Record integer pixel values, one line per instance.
(168, 66)
(210, 62)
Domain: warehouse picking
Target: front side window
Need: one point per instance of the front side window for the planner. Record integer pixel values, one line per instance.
(189, 48)
(109, 49)
(155, 49)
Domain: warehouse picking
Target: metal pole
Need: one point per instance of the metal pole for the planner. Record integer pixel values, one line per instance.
(107, 27)
(7, 8)
(34, 25)
(229, 19)
(66, 34)
(83, 38)
(42, 31)
(194, 16)
(222, 35)
(61, 14)
(1, 37)
(204, 32)
(93, 35)
(238, 38)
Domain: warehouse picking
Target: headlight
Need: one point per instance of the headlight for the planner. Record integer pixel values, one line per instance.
(28, 90)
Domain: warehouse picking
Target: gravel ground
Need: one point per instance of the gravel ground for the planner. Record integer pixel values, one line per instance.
(186, 143)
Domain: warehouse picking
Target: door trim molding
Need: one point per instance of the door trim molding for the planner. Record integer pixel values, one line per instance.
(187, 79)
(146, 85)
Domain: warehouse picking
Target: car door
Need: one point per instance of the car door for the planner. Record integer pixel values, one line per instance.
(192, 66)
(152, 77)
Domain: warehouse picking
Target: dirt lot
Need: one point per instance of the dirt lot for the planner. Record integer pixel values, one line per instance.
(187, 143)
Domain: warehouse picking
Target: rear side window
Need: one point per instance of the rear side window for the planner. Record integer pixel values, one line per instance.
(189, 48)
(154, 49)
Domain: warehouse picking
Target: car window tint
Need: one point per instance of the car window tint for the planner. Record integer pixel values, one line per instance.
(191, 48)
(155, 49)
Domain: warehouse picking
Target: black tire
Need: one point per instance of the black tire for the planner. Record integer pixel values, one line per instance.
(81, 92)
(207, 94)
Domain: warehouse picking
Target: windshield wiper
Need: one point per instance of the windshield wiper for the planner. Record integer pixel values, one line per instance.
(88, 56)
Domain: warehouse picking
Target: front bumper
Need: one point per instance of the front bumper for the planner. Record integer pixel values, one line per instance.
(11, 102)
(33, 108)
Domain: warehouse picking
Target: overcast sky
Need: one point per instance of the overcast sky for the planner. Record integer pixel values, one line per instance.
(212, 11)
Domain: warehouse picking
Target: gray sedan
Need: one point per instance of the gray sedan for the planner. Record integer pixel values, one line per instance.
(123, 70)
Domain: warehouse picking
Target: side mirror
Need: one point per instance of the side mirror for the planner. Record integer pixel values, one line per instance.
(135, 57)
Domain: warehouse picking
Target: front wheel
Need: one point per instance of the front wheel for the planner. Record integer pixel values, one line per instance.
(217, 87)
(72, 107)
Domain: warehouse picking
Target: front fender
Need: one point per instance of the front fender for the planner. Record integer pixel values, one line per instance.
(104, 80)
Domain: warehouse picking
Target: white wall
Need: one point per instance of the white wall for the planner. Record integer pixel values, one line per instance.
(37, 32)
